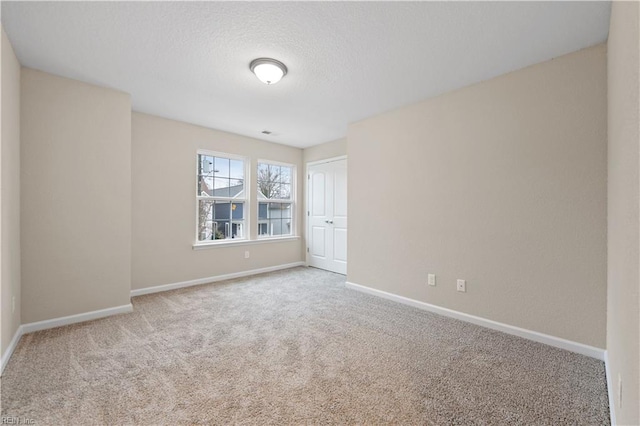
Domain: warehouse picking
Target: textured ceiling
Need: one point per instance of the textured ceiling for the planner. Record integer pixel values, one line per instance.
(347, 61)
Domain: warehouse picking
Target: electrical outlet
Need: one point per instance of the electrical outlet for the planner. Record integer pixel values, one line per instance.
(246, 254)
(13, 304)
(461, 286)
(431, 279)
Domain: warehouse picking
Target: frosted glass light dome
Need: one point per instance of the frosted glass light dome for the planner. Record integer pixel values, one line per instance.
(268, 71)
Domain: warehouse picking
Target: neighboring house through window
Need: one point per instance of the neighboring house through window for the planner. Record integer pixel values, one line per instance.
(275, 199)
(221, 197)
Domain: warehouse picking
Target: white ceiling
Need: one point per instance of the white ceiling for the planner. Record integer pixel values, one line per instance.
(347, 61)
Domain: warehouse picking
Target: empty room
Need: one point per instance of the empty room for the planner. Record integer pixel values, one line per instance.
(320, 213)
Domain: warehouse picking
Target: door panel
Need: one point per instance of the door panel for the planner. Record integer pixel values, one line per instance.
(340, 245)
(318, 194)
(318, 241)
(327, 215)
(340, 190)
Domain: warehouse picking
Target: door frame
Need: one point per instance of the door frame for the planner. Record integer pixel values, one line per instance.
(307, 227)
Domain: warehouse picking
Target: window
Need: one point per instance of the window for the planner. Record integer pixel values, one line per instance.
(221, 196)
(275, 199)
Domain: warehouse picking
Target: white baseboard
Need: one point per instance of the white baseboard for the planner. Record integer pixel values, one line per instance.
(612, 407)
(557, 342)
(58, 322)
(12, 347)
(200, 281)
(102, 313)
(72, 319)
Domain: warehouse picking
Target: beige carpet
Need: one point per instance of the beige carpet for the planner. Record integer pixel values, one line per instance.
(294, 347)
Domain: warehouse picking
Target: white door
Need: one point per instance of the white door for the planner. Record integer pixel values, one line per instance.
(327, 216)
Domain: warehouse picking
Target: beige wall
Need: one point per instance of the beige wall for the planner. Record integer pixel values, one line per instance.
(503, 184)
(10, 189)
(76, 197)
(164, 204)
(326, 150)
(623, 332)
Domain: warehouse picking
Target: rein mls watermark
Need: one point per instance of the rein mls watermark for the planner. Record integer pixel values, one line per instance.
(17, 421)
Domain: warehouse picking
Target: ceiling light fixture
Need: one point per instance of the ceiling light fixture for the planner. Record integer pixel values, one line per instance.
(268, 71)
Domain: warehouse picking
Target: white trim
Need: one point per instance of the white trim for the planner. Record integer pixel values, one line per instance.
(244, 242)
(275, 163)
(6, 356)
(612, 406)
(207, 280)
(220, 198)
(307, 222)
(220, 154)
(58, 322)
(557, 342)
(326, 160)
(73, 319)
(246, 161)
(293, 200)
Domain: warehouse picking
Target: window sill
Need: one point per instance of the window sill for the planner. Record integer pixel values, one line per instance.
(226, 243)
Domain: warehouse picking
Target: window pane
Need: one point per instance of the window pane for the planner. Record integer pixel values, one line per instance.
(222, 229)
(219, 218)
(274, 181)
(222, 167)
(263, 209)
(285, 211)
(275, 173)
(270, 189)
(237, 211)
(236, 186)
(263, 171)
(205, 164)
(205, 222)
(285, 191)
(285, 174)
(264, 184)
(205, 185)
(237, 229)
(221, 211)
(279, 227)
(237, 169)
(274, 219)
(221, 187)
(205, 174)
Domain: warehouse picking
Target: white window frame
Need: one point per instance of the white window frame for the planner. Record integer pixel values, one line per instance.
(292, 201)
(246, 198)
